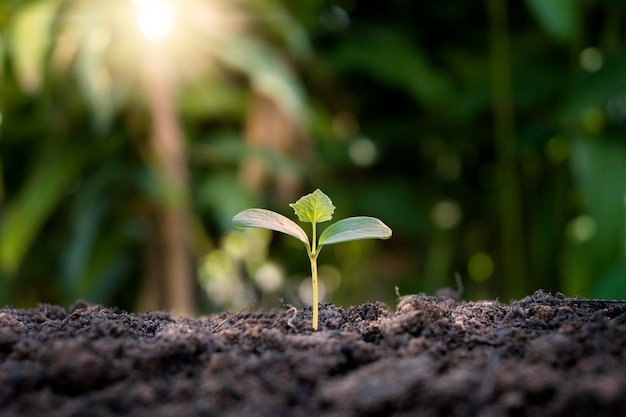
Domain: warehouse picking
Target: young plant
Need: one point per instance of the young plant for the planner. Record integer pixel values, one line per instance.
(314, 208)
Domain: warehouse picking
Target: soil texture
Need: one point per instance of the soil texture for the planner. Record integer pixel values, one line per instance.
(544, 355)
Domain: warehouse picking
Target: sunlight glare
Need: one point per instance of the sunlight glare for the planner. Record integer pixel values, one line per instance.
(155, 17)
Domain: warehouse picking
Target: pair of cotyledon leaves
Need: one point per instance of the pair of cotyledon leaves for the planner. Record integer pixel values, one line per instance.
(314, 208)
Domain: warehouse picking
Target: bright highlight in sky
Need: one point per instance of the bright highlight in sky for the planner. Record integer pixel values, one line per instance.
(155, 17)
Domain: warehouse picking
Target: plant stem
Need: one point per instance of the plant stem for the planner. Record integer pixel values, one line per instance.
(313, 258)
(315, 294)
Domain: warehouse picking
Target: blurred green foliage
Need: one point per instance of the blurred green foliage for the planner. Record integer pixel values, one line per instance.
(488, 135)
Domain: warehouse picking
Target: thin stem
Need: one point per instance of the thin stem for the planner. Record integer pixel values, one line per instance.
(314, 288)
(314, 241)
(315, 294)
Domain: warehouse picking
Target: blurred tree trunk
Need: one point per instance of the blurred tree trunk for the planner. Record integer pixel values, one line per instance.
(266, 130)
(513, 260)
(168, 275)
(270, 129)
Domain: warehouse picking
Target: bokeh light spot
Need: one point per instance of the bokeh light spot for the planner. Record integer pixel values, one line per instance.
(446, 214)
(363, 152)
(591, 59)
(593, 120)
(305, 290)
(582, 228)
(235, 244)
(269, 277)
(331, 277)
(557, 149)
(216, 272)
(480, 267)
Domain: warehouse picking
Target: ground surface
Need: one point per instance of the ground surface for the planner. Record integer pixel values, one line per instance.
(542, 356)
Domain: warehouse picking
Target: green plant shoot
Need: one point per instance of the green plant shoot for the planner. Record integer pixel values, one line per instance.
(314, 208)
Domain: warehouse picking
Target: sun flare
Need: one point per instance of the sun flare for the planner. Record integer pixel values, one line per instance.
(155, 17)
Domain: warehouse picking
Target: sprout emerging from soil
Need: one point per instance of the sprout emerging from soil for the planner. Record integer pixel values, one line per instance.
(314, 208)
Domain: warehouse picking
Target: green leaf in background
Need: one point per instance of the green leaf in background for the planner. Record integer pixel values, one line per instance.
(222, 184)
(2, 55)
(557, 17)
(355, 228)
(596, 90)
(599, 170)
(269, 75)
(1, 181)
(94, 77)
(612, 285)
(93, 234)
(31, 31)
(393, 59)
(26, 214)
(314, 208)
(266, 219)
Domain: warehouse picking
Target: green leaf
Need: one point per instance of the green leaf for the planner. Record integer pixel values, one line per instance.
(558, 17)
(31, 35)
(390, 57)
(267, 71)
(355, 228)
(314, 208)
(595, 162)
(266, 219)
(611, 284)
(25, 215)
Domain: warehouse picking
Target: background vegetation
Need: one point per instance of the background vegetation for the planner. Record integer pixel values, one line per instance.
(488, 135)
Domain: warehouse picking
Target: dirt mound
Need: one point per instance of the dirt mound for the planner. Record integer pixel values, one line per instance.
(541, 356)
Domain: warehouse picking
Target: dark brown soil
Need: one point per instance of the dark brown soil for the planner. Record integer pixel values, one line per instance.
(541, 356)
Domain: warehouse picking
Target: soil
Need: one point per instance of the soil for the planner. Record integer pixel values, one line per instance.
(541, 356)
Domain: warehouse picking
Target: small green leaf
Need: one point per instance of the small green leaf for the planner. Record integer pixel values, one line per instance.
(355, 228)
(266, 219)
(314, 208)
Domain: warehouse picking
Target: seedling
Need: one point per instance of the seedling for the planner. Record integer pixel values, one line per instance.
(314, 208)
